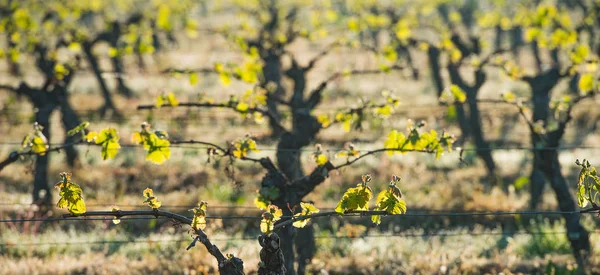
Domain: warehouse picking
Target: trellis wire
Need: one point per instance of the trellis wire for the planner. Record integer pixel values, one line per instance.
(394, 235)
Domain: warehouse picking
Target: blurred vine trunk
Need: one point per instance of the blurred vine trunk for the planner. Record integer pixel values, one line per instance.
(516, 41)
(547, 166)
(472, 120)
(272, 69)
(93, 61)
(122, 88)
(117, 61)
(433, 54)
(469, 122)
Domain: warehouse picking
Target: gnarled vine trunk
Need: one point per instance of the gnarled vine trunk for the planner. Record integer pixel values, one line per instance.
(547, 167)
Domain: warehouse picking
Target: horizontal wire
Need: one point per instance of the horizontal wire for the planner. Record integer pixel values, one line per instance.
(201, 147)
(226, 119)
(422, 108)
(399, 235)
(421, 215)
(140, 205)
(111, 218)
(256, 209)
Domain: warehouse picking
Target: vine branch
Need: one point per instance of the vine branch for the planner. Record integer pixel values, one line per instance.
(201, 235)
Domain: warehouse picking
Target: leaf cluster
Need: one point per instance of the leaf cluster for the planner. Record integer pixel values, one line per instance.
(156, 143)
(150, 199)
(398, 142)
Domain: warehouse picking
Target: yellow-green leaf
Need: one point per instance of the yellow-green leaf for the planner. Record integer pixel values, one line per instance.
(586, 84)
(70, 195)
(193, 78)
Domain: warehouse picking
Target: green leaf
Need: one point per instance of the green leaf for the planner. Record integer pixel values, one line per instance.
(116, 220)
(452, 95)
(509, 97)
(261, 202)
(156, 143)
(39, 146)
(390, 201)
(150, 199)
(70, 195)
(225, 78)
(78, 129)
(586, 84)
(269, 218)
(199, 219)
(108, 139)
(458, 93)
(172, 100)
(243, 146)
(355, 199)
(193, 78)
(521, 182)
(581, 197)
(307, 210)
(242, 107)
(168, 99)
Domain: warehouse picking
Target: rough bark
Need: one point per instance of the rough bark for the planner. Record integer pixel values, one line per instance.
(271, 256)
(540, 91)
(304, 129)
(272, 73)
(546, 163)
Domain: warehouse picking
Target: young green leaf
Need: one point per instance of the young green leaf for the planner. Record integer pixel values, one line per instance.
(390, 200)
(193, 78)
(261, 202)
(319, 157)
(166, 99)
(108, 139)
(269, 218)
(307, 210)
(156, 143)
(243, 146)
(356, 198)
(586, 84)
(150, 199)
(452, 95)
(70, 195)
(199, 220)
(78, 129)
(115, 208)
(36, 142)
